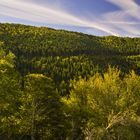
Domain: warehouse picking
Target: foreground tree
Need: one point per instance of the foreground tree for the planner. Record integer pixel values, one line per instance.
(40, 109)
(105, 107)
(9, 97)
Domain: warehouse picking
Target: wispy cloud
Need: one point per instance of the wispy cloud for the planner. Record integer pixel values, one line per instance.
(123, 19)
(37, 13)
(112, 23)
(129, 7)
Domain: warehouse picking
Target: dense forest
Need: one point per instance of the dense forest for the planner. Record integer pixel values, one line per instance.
(61, 85)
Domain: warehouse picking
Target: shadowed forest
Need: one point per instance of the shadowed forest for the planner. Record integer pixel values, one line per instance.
(61, 85)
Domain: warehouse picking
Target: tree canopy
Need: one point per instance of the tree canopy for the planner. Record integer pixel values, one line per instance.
(61, 85)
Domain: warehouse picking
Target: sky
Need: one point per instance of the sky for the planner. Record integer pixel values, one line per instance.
(96, 17)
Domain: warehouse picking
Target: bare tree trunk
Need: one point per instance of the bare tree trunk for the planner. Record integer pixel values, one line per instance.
(33, 121)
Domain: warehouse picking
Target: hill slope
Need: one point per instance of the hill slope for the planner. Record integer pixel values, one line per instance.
(38, 65)
(67, 55)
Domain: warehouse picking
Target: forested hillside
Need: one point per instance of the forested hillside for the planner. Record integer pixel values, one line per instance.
(60, 85)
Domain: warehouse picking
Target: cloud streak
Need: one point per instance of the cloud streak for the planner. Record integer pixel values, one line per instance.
(128, 7)
(36, 13)
(112, 23)
(129, 11)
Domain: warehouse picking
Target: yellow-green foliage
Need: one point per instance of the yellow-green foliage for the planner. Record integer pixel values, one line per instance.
(110, 105)
(99, 104)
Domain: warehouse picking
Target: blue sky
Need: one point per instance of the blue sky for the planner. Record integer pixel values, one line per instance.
(96, 17)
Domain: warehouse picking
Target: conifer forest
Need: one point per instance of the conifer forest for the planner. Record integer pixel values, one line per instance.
(63, 85)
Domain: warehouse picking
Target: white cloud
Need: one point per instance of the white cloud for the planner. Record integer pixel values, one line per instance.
(37, 13)
(129, 7)
(122, 19)
(125, 4)
(113, 23)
